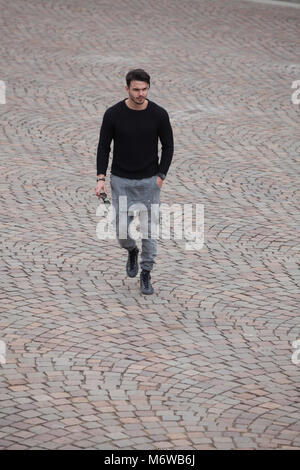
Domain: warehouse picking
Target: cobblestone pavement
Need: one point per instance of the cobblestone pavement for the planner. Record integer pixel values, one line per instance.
(208, 361)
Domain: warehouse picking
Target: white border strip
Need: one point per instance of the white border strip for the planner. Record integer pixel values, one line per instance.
(273, 2)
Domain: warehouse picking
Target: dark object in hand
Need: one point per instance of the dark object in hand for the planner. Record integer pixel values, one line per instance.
(104, 198)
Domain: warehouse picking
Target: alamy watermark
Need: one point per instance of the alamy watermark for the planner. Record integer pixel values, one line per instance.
(296, 354)
(2, 352)
(2, 92)
(296, 93)
(177, 221)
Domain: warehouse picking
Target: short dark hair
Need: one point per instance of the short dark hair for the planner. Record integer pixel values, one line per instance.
(137, 74)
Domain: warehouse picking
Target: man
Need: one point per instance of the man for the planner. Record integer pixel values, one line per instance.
(135, 124)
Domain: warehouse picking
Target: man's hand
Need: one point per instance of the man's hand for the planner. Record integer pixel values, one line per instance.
(159, 181)
(100, 188)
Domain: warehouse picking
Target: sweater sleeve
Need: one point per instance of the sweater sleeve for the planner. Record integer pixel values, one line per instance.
(165, 134)
(105, 138)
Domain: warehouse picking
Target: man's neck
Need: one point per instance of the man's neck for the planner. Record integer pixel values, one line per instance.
(135, 107)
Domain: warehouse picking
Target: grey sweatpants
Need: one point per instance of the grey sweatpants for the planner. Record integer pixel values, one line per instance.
(143, 197)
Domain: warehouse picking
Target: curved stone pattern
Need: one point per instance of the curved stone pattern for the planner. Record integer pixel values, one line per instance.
(207, 361)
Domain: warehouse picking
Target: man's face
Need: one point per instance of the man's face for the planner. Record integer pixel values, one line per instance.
(138, 91)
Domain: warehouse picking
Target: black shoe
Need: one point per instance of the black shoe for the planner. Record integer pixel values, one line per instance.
(132, 266)
(145, 283)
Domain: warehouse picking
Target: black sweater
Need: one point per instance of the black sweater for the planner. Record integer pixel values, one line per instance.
(135, 135)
